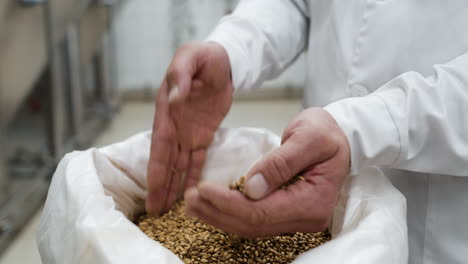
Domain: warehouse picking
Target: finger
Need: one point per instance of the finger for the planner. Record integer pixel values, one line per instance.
(162, 142)
(159, 184)
(175, 180)
(182, 166)
(161, 181)
(195, 169)
(180, 74)
(232, 201)
(179, 172)
(293, 204)
(210, 214)
(282, 164)
(162, 102)
(196, 205)
(162, 145)
(179, 89)
(157, 177)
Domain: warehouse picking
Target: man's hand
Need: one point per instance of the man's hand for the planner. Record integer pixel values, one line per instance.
(192, 101)
(312, 146)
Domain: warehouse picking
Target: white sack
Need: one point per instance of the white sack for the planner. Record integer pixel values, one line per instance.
(94, 193)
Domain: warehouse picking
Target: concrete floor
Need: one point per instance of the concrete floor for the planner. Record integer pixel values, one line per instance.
(137, 117)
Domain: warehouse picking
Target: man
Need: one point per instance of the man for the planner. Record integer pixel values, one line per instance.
(404, 63)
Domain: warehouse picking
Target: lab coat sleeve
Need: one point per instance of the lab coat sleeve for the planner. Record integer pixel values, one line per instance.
(262, 38)
(413, 122)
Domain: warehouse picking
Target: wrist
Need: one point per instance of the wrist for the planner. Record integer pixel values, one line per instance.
(370, 130)
(236, 57)
(224, 54)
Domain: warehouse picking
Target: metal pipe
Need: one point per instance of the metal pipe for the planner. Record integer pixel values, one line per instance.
(3, 172)
(75, 75)
(56, 107)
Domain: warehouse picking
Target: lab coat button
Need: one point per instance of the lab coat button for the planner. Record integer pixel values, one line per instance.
(358, 91)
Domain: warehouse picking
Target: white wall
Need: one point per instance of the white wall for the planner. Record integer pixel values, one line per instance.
(206, 14)
(143, 43)
(148, 31)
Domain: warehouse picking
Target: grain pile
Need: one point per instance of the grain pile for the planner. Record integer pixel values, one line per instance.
(196, 242)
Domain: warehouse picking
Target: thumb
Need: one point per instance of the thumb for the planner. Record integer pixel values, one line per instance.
(273, 171)
(179, 85)
(281, 165)
(182, 70)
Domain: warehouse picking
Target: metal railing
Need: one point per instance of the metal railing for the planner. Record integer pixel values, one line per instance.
(75, 63)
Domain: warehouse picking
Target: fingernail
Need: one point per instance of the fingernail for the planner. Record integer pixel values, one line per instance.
(190, 194)
(173, 93)
(256, 187)
(151, 207)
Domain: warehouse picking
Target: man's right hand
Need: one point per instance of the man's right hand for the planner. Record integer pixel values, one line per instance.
(192, 101)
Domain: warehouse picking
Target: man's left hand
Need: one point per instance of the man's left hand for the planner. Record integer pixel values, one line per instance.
(313, 146)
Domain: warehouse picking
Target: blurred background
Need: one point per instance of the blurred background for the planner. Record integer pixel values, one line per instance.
(81, 73)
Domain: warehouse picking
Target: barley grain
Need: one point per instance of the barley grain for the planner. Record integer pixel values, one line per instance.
(196, 242)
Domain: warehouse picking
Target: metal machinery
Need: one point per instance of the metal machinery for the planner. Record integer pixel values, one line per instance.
(56, 93)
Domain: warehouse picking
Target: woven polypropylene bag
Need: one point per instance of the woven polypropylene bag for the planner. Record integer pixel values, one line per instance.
(95, 195)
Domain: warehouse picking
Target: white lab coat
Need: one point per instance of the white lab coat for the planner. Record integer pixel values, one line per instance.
(404, 63)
